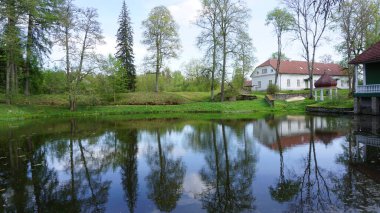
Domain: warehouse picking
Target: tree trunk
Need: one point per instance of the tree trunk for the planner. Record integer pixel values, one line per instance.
(224, 67)
(157, 64)
(279, 52)
(8, 82)
(68, 74)
(28, 57)
(214, 40)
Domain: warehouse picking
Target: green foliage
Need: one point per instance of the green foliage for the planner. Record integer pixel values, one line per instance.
(53, 82)
(281, 20)
(238, 79)
(161, 38)
(244, 57)
(125, 53)
(342, 101)
(272, 89)
(282, 57)
(229, 94)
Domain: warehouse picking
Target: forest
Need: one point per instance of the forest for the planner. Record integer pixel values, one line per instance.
(30, 29)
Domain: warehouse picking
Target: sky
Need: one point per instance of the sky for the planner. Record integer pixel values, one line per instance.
(185, 13)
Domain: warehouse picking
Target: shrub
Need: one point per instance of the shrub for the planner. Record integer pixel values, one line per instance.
(272, 89)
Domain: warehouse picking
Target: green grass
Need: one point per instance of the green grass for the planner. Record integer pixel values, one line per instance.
(342, 101)
(136, 98)
(194, 96)
(149, 105)
(15, 112)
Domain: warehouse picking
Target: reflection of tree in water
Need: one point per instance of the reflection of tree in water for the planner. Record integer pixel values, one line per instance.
(314, 191)
(228, 181)
(165, 179)
(85, 191)
(285, 189)
(128, 163)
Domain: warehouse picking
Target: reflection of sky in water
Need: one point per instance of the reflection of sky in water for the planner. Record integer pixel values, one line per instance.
(193, 145)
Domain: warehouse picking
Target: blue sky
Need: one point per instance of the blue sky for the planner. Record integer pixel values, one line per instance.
(185, 13)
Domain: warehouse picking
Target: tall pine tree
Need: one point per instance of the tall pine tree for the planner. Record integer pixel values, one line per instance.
(125, 49)
(41, 17)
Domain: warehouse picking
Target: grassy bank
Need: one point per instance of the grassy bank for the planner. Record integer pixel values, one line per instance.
(149, 105)
(15, 112)
(136, 98)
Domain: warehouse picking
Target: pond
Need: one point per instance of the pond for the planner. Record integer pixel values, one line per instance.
(274, 164)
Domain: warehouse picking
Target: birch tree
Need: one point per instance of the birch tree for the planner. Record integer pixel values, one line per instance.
(79, 34)
(311, 21)
(356, 21)
(161, 37)
(208, 38)
(282, 22)
(231, 19)
(244, 57)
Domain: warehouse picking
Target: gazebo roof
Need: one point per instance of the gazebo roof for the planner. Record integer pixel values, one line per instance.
(371, 55)
(325, 81)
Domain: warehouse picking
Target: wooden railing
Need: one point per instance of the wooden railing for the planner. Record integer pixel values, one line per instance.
(373, 88)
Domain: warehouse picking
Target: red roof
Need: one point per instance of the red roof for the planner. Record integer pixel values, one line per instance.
(325, 81)
(300, 67)
(371, 55)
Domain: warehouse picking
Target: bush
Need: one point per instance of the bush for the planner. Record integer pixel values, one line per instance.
(272, 89)
(229, 95)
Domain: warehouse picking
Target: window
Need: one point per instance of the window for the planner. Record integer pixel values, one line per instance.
(257, 72)
(342, 83)
(288, 82)
(265, 71)
(259, 84)
(270, 82)
(298, 83)
(306, 84)
(272, 70)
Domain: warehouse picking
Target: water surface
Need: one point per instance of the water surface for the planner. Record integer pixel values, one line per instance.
(274, 164)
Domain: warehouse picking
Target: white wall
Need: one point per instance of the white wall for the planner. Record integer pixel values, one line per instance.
(283, 80)
(264, 78)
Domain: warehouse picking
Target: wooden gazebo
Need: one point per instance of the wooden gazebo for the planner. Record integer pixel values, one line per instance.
(325, 82)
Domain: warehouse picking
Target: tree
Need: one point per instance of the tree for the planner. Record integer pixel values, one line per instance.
(12, 45)
(115, 72)
(283, 57)
(41, 16)
(356, 20)
(244, 58)
(79, 33)
(208, 38)
(311, 21)
(231, 19)
(326, 59)
(125, 48)
(161, 37)
(282, 22)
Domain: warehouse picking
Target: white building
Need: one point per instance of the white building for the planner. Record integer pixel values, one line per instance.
(293, 75)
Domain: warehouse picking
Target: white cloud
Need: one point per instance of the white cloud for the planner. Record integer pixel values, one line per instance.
(185, 13)
(109, 47)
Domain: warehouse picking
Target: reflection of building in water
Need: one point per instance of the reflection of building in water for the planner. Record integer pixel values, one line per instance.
(366, 149)
(294, 130)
